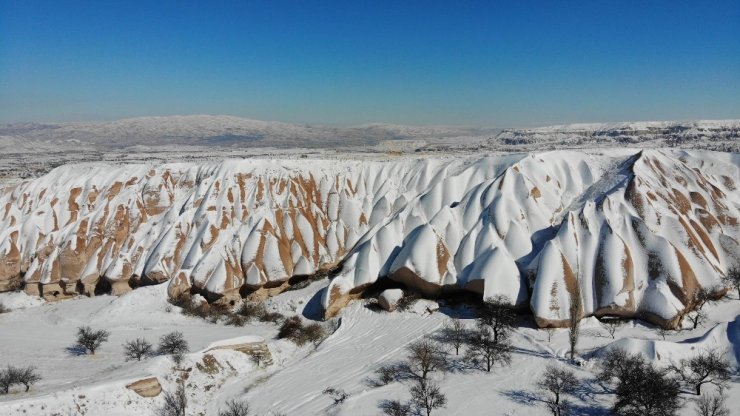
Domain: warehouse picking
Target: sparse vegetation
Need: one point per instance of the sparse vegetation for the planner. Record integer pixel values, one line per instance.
(489, 341)
(395, 408)
(709, 367)
(173, 344)
(427, 396)
(296, 331)
(338, 395)
(175, 404)
(554, 384)
(407, 301)
(612, 325)
(4, 309)
(574, 322)
(550, 332)
(712, 405)
(641, 388)
(137, 349)
(454, 334)
(235, 408)
(663, 332)
(388, 373)
(732, 279)
(697, 318)
(26, 376)
(425, 356)
(90, 340)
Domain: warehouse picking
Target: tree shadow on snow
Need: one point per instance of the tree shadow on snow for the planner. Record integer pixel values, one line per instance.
(76, 350)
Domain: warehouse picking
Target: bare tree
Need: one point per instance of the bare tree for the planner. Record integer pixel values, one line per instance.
(574, 321)
(7, 379)
(498, 314)
(454, 334)
(173, 343)
(554, 384)
(550, 332)
(709, 367)
(26, 376)
(395, 408)
(11, 375)
(612, 325)
(90, 340)
(616, 366)
(732, 279)
(647, 390)
(697, 318)
(484, 344)
(700, 297)
(175, 404)
(711, 406)
(235, 408)
(388, 373)
(137, 349)
(427, 396)
(663, 332)
(425, 356)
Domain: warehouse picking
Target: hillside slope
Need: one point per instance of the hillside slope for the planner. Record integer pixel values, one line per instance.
(634, 232)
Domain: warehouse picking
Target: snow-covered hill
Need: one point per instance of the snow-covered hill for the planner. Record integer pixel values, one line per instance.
(635, 232)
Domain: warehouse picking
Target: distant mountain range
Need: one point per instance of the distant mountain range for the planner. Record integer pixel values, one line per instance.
(226, 131)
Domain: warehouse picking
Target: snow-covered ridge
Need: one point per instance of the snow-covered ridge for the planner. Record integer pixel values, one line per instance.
(637, 231)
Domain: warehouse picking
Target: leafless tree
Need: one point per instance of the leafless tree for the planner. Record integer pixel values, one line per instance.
(235, 408)
(709, 367)
(732, 279)
(173, 343)
(175, 404)
(554, 384)
(646, 390)
(663, 332)
(713, 405)
(697, 318)
(425, 356)
(454, 334)
(7, 379)
(427, 396)
(612, 325)
(137, 349)
(27, 376)
(388, 373)
(498, 314)
(550, 332)
(484, 344)
(616, 366)
(574, 322)
(395, 408)
(90, 340)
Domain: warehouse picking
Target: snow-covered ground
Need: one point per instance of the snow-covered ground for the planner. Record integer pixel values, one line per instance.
(38, 333)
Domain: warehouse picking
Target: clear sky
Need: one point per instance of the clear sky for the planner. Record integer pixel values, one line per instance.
(489, 63)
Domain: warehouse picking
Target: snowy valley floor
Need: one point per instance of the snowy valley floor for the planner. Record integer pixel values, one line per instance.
(39, 334)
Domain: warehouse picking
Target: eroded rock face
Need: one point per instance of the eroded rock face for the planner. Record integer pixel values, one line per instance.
(148, 387)
(389, 298)
(635, 233)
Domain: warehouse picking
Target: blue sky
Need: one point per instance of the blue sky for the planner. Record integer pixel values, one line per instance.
(517, 63)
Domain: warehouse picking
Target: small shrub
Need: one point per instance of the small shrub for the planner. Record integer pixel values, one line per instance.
(338, 395)
(173, 343)
(714, 405)
(236, 320)
(175, 404)
(294, 330)
(91, 340)
(251, 310)
(3, 309)
(407, 301)
(235, 408)
(388, 374)
(395, 408)
(137, 349)
(272, 317)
